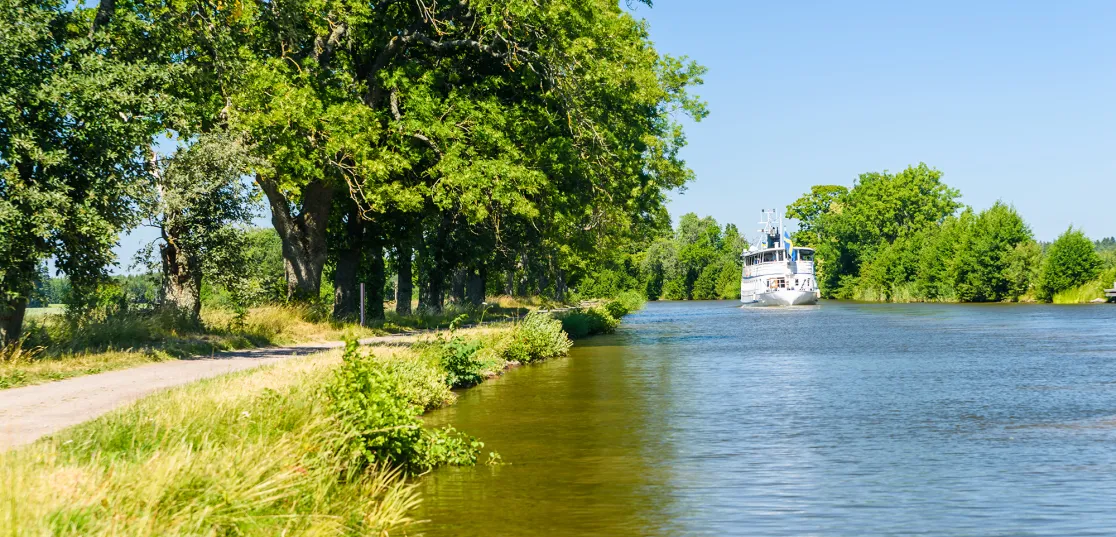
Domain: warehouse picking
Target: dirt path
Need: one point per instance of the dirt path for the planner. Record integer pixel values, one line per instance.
(31, 412)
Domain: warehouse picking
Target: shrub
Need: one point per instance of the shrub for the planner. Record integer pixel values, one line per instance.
(382, 425)
(624, 303)
(538, 337)
(1070, 261)
(616, 309)
(421, 379)
(457, 358)
(631, 300)
(589, 321)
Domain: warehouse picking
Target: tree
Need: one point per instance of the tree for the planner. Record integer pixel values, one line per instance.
(994, 264)
(880, 208)
(699, 261)
(201, 206)
(809, 209)
(75, 112)
(1071, 260)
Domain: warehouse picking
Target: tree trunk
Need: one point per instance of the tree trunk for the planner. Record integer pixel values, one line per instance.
(521, 285)
(375, 287)
(18, 281)
(560, 286)
(182, 277)
(12, 312)
(509, 283)
(542, 283)
(457, 286)
(303, 236)
(404, 288)
(432, 290)
(475, 286)
(346, 287)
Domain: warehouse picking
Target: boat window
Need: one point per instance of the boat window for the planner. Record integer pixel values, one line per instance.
(806, 255)
(781, 255)
(768, 257)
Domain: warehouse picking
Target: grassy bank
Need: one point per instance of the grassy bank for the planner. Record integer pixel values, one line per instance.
(312, 446)
(55, 349)
(1089, 291)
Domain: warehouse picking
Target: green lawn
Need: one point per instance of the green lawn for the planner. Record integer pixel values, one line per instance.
(53, 309)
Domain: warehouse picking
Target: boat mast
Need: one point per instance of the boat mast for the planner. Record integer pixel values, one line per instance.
(772, 229)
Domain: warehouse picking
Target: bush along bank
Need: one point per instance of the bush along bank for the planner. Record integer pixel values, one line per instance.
(316, 445)
(599, 318)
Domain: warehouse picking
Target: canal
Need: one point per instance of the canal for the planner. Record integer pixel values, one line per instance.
(701, 418)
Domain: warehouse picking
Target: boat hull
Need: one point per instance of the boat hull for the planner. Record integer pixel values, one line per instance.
(784, 297)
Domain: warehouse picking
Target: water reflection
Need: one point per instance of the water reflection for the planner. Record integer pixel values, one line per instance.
(843, 419)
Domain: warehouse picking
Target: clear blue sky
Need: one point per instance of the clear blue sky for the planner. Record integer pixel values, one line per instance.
(1011, 100)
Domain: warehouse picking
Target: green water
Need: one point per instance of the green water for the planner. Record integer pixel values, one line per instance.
(842, 419)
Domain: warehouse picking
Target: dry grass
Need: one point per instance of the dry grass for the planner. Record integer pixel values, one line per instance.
(137, 339)
(27, 371)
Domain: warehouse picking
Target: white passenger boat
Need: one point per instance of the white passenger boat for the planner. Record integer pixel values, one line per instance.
(776, 272)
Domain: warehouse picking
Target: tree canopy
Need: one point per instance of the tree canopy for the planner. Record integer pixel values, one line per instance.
(495, 145)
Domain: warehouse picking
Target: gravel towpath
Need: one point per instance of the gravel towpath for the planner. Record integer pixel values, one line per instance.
(31, 412)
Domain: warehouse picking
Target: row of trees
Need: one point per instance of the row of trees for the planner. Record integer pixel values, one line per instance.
(700, 261)
(452, 143)
(906, 237)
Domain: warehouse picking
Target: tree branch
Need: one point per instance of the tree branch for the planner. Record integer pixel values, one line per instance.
(324, 48)
(104, 15)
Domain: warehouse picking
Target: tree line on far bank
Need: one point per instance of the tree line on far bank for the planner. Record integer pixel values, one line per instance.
(463, 146)
(906, 237)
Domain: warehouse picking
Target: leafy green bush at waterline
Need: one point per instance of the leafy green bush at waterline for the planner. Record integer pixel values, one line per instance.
(383, 426)
(1070, 261)
(624, 303)
(1087, 292)
(588, 322)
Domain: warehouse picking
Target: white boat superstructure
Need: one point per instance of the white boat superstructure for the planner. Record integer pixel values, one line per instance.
(777, 273)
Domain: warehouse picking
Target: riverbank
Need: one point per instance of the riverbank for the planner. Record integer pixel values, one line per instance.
(312, 445)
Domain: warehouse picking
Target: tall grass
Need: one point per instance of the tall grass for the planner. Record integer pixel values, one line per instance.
(133, 338)
(246, 454)
(311, 446)
(1089, 291)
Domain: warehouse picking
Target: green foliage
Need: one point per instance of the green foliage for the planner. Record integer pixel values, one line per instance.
(584, 322)
(1088, 292)
(538, 337)
(249, 454)
(383, 425)
(75, 106)
(201, 208)
(1071, 260)
(697, 262)
(810, 208)
(897, 238)
(458, 357)
(422, 379)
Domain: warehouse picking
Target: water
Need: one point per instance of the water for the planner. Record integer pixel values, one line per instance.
(843, 419)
